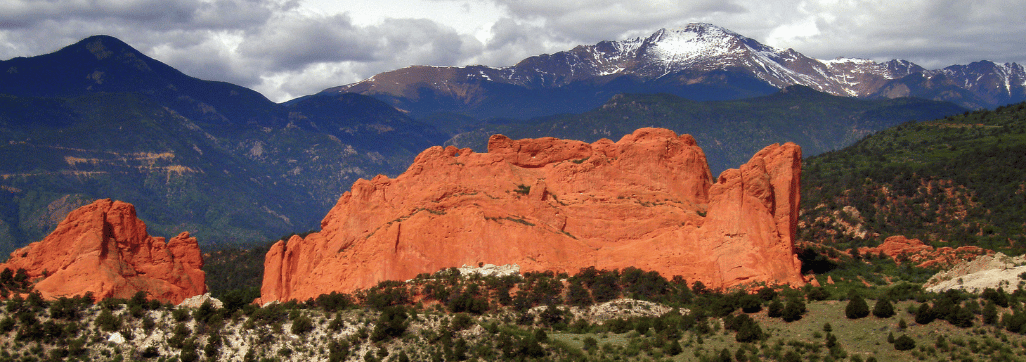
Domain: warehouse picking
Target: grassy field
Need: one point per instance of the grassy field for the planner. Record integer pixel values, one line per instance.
(859, 339)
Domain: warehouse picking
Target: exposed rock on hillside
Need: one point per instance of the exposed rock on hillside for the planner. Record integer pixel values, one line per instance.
(490, 270)
(986, 271)
(903, 249)
(104, 249)
(646, 201)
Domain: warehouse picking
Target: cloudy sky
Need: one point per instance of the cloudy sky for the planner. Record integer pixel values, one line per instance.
(289, 48)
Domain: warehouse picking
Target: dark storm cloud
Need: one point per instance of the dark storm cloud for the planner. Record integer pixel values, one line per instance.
(287, 42)
(931, 33)
(284, 49)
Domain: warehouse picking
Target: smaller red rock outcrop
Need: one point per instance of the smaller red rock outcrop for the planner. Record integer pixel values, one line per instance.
(103, 248)
(901, 249)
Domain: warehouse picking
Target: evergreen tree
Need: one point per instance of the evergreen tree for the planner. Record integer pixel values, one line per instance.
(674, 348)
(794, 310)
(577, 295)
(883, 308)
(776, 309)
(391, 323)
(904, 343)
(750, 303)
(924, 315)
(857, 308)
(748, 331)
(990, 313)
(724, 356)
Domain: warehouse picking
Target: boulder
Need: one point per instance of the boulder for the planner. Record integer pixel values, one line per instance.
(645, 201)
(197, 301)
(103, 248)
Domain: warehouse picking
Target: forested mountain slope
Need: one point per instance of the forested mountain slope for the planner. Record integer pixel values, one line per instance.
(958, 180)
(728, 131)
(98, 119)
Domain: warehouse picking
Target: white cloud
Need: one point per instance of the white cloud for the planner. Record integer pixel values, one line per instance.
(287, 48)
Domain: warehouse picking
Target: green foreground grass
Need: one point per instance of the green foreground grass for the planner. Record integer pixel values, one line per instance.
(860, 339)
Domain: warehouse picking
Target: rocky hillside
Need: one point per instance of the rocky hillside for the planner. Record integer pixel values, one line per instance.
(998, 271)
(954, 181)
(646, 201)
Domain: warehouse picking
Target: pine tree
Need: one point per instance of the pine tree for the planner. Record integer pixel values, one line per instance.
(776, 309)
(674, 348)
(794, 310)
(748, 331)
(924, 315)
(883, 308)
(904, 343)
(857, 308)
(990, 313)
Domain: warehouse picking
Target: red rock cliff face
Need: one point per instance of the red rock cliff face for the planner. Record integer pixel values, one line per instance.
(646, 201)
(103, 248)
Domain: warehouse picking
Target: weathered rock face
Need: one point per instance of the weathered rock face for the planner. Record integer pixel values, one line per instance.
(646, 201)
(104, 249)
(901, 248)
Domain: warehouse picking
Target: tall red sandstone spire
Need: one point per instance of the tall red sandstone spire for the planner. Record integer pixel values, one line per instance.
(646, 201)
(104, 249)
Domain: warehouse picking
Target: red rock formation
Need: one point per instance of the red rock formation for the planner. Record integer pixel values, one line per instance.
(901, 249)
(646, 201)
(104, 249)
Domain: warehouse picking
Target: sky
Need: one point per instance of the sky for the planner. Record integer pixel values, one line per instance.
(290, 48)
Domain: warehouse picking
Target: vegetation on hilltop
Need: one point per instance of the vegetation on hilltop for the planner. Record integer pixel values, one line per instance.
(446, 316)
(954, 181)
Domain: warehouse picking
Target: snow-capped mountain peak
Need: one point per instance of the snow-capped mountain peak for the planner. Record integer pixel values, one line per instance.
(711, 56)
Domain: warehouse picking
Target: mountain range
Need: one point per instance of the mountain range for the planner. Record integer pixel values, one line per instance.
(697, 62)
(729, 131)
(99, 119)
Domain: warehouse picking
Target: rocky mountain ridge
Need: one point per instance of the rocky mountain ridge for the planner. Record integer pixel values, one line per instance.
(99, 119)
(699, 61)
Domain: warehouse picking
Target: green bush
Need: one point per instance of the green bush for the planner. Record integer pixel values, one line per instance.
(301, 325)
(883, 308)
(904, 343)
(180, 315)
(591, 344)
(107, 321)
(990, 313)
(924, 314)
(856, 308)
(794, 310)
(338, 351)
(776, 309)
(750, 303)
(673, 348)
(392, 323)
